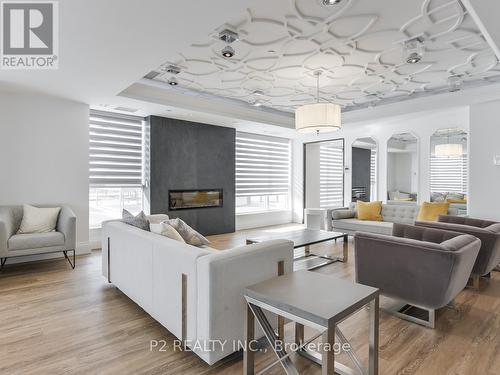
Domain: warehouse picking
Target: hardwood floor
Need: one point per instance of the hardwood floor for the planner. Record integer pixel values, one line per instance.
(55, 320)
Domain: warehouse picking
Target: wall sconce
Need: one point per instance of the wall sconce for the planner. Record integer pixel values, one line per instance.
(496, 160)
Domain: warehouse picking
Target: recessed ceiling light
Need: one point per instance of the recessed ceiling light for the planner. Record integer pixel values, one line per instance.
(331, 2)
(228, 52)
(173, 82)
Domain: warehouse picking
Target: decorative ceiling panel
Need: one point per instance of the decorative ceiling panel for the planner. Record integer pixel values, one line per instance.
(358, 44)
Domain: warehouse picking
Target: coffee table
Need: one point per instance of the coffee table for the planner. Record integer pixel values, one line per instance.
(305, 238)
(333, 301)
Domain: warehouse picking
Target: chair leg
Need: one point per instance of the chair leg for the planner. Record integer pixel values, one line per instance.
(72, 264)
(415, 314)
(2, 263)
(474, 282)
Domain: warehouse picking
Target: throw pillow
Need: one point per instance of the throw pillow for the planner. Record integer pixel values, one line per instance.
(166, 230)
(189, 235)
(431, 211)
(157, 218)
(38, 219)
(140, 221)
(369, 210)
(438, 197)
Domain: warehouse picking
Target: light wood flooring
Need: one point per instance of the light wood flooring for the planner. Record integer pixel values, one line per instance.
(55, 320)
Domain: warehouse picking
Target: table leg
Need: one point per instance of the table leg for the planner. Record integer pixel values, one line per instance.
(328, 353)
(307, 250)
(346, 248)
(248, 354)
(299, 333)
(373, 333)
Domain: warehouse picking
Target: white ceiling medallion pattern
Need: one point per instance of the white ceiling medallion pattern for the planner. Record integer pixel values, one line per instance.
(357, 43)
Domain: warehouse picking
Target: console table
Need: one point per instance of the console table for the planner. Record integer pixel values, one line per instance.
(332, 301)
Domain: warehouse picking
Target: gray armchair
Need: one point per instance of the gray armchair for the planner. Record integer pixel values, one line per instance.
(18, 245)
(487, 231)
(426, 268)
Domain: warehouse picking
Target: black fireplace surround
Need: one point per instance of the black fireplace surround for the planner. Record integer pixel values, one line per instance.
(185, 156)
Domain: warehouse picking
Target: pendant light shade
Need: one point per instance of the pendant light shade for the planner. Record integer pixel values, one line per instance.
(318, 118)
(448, 149)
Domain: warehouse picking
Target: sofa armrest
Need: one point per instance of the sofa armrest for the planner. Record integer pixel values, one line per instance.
(222, 278)
(336, 214)
(66, 224)
(6, 229)
(421, 273)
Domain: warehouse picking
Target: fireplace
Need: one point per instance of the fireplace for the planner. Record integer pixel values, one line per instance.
(191, 199)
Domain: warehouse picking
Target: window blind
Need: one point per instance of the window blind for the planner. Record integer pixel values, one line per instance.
(331, 175)
(449, 174)
(373, 175)
(115, 150)
(262, 165)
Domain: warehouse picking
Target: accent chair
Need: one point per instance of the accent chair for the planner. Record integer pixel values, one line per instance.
(12, 244)
(487, 231)
(425, 268)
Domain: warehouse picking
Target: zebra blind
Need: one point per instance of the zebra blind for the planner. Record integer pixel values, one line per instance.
(449, 174)
(115, 150)
(262, 165)
(331, 174)
(373, 175)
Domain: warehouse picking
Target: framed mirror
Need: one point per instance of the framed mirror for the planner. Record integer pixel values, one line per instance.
(402, 169)
(449, 171)
(364, 170)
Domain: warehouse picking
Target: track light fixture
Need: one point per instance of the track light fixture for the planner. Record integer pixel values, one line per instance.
(228, 52)
(454, 83)
(228, 37)
(413, 51)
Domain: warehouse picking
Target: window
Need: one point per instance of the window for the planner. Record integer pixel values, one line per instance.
(331, 174)
(262, 173)
(373, 175)
(449, 174)
(115, 165)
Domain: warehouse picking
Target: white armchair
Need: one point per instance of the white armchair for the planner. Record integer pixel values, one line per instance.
(12, 245)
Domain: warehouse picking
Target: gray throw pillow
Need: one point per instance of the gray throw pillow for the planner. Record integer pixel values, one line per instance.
(140, 221)
(189, 235)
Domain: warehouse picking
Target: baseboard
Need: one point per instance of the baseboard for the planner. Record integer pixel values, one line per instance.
(83, 248)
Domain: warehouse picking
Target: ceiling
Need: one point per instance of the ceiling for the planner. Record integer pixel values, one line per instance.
(357, 44)
(107, 46)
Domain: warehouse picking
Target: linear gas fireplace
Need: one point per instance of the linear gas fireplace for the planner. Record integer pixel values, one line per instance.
(190, 199)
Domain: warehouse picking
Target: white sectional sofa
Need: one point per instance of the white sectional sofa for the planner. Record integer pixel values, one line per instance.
(344, 219)
(196, 293)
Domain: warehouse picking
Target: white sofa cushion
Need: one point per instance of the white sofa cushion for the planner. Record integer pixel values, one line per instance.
(355, 225)
(35, 240)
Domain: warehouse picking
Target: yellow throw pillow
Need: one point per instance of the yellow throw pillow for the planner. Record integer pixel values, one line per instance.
(462, 201)
(369, 210)
(431, 211)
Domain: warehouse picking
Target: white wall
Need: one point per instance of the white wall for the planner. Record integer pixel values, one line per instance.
(44, 154)
(484, 177)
